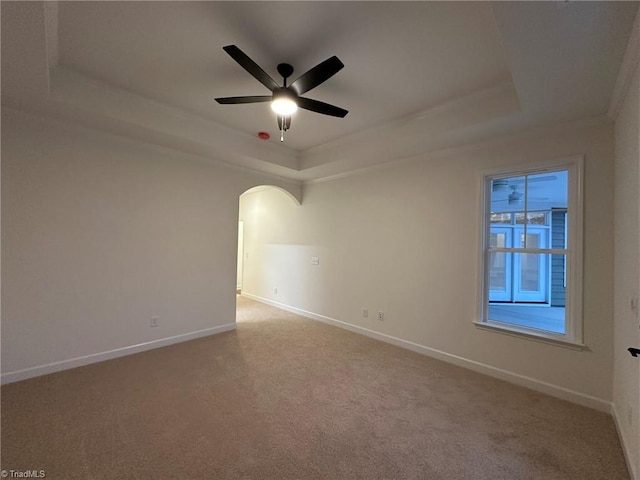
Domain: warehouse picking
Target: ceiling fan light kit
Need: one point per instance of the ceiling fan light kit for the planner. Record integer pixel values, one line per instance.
(285, 100)
(499, 185)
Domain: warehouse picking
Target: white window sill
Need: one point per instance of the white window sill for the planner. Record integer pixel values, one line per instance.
(515, 331)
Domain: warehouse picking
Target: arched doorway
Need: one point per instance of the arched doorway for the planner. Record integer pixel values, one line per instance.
(259, 209)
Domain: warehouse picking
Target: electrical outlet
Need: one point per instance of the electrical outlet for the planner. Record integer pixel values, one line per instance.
(365, 312)
(154, 321)
(381, 316)
(275, 291)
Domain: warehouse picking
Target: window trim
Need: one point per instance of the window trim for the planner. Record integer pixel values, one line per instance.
(573, 337)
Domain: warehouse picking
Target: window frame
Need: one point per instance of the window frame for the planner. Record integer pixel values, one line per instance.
(573, 336)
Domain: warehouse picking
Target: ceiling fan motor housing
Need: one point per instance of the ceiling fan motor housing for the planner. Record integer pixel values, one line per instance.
(285, 93)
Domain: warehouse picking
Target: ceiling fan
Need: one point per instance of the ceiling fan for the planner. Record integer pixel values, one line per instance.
(501, 184)
(515, 197)
(286, 99)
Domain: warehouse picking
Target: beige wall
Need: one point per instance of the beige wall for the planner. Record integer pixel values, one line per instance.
(404, 239)
(626, 394)
(100, 234)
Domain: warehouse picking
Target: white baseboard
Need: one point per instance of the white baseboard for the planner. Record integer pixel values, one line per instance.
(31, 372)
(633, 474)
(528, 382)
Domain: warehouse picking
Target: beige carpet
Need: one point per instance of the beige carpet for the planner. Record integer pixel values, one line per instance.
(288, 398)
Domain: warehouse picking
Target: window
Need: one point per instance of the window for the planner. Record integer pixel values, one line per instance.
(531, 267)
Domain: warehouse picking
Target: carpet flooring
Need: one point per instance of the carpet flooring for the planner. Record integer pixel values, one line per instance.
(284, 397)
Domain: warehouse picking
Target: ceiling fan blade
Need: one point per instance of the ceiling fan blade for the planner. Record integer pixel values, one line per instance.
(236, 100)
(512, 199)
(251, 67)
(321, 107)
(546, 178)
(318, 74)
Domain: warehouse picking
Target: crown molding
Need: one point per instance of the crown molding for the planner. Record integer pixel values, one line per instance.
(503, 91)
(630, 63)
(448, 124)
(493, 141)
(291, 186)
(131, 114)
(51, 33)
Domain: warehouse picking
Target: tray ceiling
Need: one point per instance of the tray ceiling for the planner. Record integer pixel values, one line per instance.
(418, 76)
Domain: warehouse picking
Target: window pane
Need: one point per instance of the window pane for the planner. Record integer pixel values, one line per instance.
(528, 290)
(498, 240)
(537, 218)
(547, 191)
(558, 280)
(531, 277)
(531, 280)
(533, 240)
(501, 218)
(532, 218)
(507, 194)
(497, 271)
(548, 319)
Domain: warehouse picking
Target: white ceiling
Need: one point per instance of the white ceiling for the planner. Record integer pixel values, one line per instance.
(418, 76)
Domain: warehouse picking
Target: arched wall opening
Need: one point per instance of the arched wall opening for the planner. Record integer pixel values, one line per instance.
(261, 211)
(259, 188)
